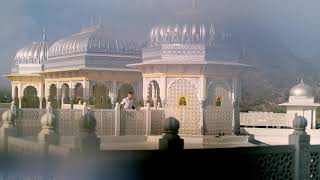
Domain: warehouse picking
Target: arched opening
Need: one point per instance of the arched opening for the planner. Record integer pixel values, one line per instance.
(78, 93)
(30, 98)
(53, 92)
(101, 98)
(65, 94)
(123, 92)
(154, 94)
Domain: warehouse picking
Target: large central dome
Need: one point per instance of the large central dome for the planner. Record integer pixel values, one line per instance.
(189, 27)
(183, 33)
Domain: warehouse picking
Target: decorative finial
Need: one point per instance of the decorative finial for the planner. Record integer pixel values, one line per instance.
(91, 21)
(44, 36)
(301, 81)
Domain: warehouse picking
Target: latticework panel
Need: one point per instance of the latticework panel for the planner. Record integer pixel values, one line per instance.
(189, 115)
(218, 121)
(67, 121)
(157, 118)
(276, 166)
(132, 122)
(315, 165)
(218, 116)
(28, 121)
(105, 122)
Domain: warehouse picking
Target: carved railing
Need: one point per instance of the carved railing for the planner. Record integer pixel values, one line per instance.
(132, 122)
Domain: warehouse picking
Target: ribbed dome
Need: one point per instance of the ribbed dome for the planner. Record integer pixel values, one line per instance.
(189, 27)
(302, 90)
(189, 33)
(91, 40)
(34, 53)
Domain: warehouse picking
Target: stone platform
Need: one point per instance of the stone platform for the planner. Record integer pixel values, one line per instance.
(151, 142)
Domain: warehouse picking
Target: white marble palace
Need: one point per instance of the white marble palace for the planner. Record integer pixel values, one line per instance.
(183, 68)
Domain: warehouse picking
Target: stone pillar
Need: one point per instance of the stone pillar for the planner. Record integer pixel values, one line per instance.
(314, 118)
(148, 120)
(59, 97)
(171, 140)
(20, 102)
(7, 129)
(86, 90)
(117, 118)
(40, 102)
(203, 94)
(202, 119)
(301, 140)
(47, 134)
(145, 87)
(71, 95)
(163, 90)
(236, 109)
(113, 93)
(87, 141)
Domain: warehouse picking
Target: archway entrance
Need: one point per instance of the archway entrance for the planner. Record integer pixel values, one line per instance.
(53, 93)
(154, 94)
(78, 93)
(65, 94)
(15, 96)
(30, 98)
(101, 98)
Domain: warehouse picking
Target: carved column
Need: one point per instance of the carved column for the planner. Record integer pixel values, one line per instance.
(301, 140)
(163, 90)
(113, 93)
(59, 96)
(71, 95)
(236, 108)
(202, 98)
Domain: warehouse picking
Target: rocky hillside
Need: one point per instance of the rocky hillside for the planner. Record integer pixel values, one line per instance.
(277, 70)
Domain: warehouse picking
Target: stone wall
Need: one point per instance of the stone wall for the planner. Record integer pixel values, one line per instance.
(266, 119)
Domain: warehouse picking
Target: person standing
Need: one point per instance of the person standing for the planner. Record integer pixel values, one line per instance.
(127, 102)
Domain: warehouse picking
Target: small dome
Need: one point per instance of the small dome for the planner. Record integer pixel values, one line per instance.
(34, 53)
(302, 90)
(91, 40)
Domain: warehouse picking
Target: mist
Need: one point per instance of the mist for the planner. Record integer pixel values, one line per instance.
(294, 23)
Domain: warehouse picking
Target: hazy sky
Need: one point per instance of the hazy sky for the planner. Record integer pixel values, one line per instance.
(296, 23)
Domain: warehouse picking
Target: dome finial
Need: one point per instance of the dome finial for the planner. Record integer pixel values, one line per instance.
(44, 35)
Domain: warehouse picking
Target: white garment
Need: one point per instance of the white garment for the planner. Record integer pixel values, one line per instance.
(127, 103)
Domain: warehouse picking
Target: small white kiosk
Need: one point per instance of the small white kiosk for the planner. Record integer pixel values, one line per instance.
(301, 102)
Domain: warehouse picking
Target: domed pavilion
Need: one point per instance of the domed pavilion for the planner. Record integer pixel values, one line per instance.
(86, 66)
(302, 103)
(189, 72)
